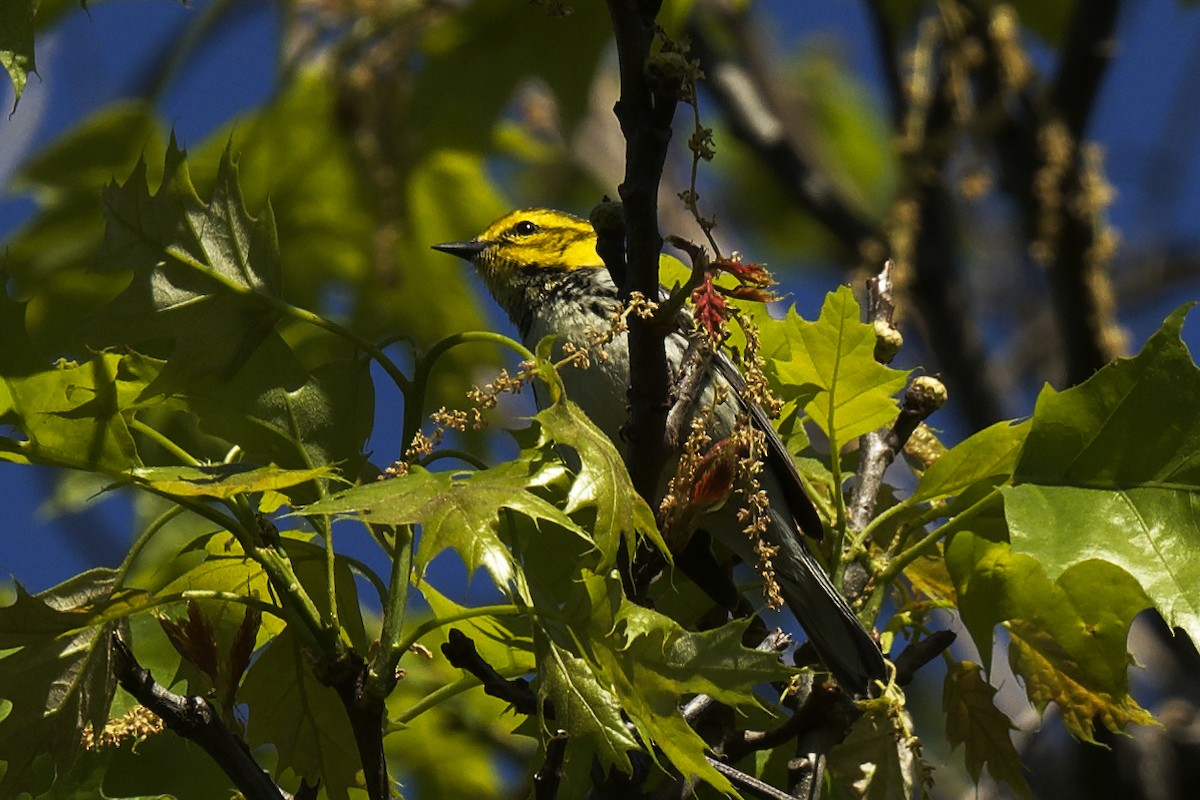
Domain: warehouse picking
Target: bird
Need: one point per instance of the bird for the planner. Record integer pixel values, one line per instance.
(542, 268)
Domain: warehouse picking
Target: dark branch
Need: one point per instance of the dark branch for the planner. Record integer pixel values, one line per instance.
(194, 718)
(460, 651)
(365, 712)
(547, 779)
(918, 654)
(650, 90)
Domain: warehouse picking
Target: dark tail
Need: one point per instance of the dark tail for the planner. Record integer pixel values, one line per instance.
(844, 647)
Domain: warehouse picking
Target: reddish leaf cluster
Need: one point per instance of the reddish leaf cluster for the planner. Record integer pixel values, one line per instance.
(712, 311)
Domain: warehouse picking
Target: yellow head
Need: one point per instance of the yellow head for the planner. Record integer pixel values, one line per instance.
(526, 242)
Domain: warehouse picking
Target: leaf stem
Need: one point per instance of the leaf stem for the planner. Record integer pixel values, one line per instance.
(226, 597)
(163, 441)
(142, 540)
(381, 676)
(430, 625)
(926, 542)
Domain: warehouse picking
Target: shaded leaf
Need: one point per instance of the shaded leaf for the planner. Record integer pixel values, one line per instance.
(278, 412)
(482, 53)
(973, 720)
(16, 43)
(60, 677)
(196, 268)
(880, 759)
(301, 718)
(583, 704)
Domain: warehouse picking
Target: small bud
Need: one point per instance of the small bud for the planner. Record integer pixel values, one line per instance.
(925, 394)
(608, 218)
(666, 72)
(888, 341)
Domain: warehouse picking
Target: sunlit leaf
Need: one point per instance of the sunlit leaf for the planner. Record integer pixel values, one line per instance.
(1068, 637)
(832, 366)
(989, 454)
(602, 485)
(1109, 471)
(72, 416)
(459, 510)
(223, 480)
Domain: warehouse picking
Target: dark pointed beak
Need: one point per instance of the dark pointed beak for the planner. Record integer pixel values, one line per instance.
(464, 250)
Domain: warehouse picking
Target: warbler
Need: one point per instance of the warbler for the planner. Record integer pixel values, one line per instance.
(542, 268)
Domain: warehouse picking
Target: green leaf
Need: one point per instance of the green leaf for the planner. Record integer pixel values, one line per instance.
(16, 42)
(482, 52)
(602, 484)
(973, 720)
(987, 456)
(72, 416)
(278, 412)
(832, 366)
(1067, 637)
(583, 704)
(880, 759)
(223, 480)
(196, 270)
(653, 664)
(643, 664)
(60, 679)
(301, 718)
(1109, 471)
(459, 510)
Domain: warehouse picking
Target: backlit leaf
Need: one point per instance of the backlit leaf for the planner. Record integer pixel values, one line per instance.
(832, 365)
(1109, 471)
(1068, 637)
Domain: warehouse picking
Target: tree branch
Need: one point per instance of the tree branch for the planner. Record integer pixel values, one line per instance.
(194, 718)
(649, 93)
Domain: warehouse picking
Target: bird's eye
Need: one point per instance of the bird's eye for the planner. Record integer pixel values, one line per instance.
(524, 228)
